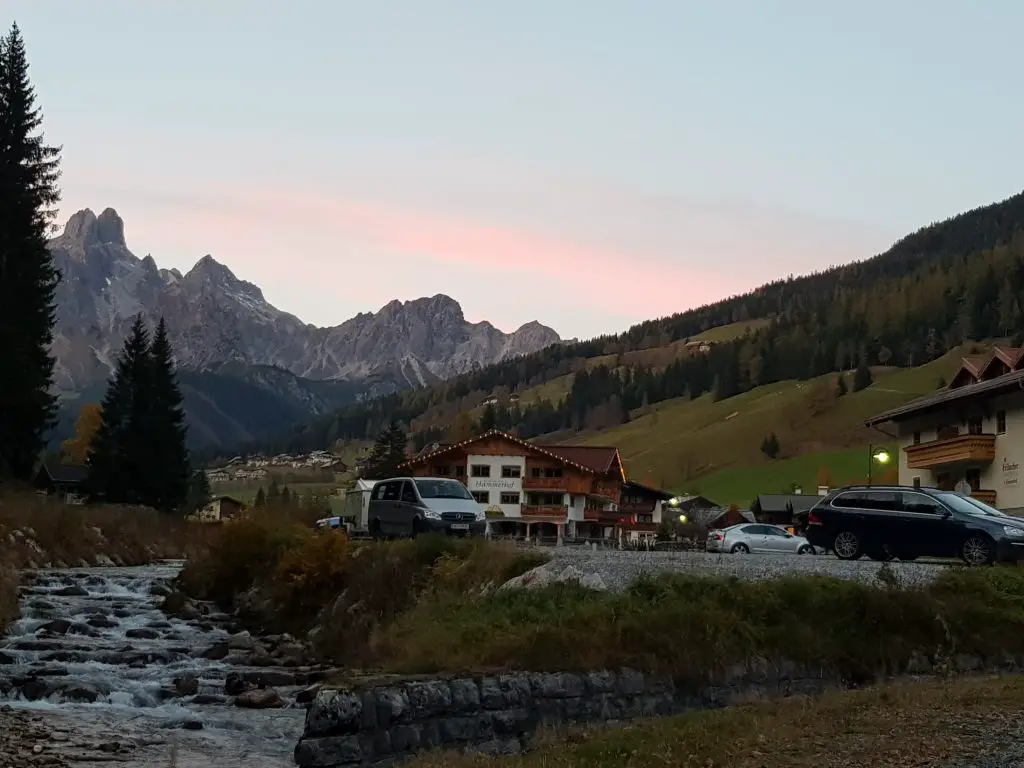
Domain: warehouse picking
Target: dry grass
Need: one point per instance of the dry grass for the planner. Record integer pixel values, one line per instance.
(282, 575)
(34, 531)
(688, 628)
(904, 725)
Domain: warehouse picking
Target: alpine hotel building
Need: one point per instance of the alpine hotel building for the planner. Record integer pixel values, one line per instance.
(548, 491)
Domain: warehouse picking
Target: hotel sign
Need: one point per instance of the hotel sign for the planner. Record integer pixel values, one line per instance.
(1011, 473)
(504, 484)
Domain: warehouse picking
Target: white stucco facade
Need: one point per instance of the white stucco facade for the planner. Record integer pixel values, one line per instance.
(496, 481)
(1001, 417)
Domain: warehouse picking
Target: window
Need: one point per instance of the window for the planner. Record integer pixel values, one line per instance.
(918, 503)
(510, 470)
(510, 498)
(441, 489)
(883, 500)
(482, 497)
(973, 478)
(850, 500)
(917, 482)
(771, 530)
(553, 472)
(1000, 422)
(460, 471)
(481, 470)
(917, 438)
(443, 471)
(975, 425)
(536, 472)
(389, 491)
(545, 500)
(409, 494)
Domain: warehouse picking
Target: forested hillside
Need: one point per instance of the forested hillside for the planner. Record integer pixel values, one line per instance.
(957, 280)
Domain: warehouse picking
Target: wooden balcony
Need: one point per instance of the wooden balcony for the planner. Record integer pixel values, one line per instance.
(544, 511)
(986, 497)
(963, 449)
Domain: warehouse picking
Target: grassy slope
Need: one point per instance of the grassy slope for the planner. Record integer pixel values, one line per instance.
(715, 447)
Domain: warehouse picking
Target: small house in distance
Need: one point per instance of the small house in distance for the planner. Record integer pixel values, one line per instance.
(780, 508)
(218, 510)
(64, 481)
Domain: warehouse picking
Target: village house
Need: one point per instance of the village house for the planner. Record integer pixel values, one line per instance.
(553, 492)
(968, 436)
(218, 510)
(66, 482)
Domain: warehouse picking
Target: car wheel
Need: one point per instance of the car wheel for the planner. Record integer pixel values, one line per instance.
(375, 531)
(740, 549)
(806, 549)
(847, 546)
(977, 550)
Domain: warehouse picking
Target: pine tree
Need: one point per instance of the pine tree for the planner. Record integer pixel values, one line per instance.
(862, 378)
(273, 493)
(198, 491)
(118, 455)
(261, 498)
(169, 469)
(29, 170)
(841, 385)
(286, 497)
(388, 453)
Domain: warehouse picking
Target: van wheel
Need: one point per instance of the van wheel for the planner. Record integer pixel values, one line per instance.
(417, 527)
(847, 546)
(375, 531)
(977, 550)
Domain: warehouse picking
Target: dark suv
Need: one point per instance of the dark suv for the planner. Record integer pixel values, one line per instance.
(884, 522)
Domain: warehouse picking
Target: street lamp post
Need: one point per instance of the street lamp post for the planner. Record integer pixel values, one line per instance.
(881, 456)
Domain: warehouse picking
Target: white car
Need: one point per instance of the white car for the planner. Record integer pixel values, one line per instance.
(746, 538)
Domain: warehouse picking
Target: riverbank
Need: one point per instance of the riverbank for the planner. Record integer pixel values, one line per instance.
(39, 532)
(972, 723)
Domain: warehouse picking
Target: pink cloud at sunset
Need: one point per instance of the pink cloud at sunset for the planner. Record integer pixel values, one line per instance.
(584, 261)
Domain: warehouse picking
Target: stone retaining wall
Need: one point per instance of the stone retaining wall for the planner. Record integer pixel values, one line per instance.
(389, 721)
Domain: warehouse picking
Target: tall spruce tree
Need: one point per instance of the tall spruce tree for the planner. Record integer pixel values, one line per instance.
(170, 471)
(388, 453)
(119, 470)
(29, 171)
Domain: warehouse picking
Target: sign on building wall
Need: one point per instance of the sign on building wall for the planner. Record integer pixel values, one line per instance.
(1011, 473)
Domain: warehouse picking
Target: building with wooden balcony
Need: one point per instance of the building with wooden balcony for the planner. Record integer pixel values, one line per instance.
(968, 436)
(551, 491)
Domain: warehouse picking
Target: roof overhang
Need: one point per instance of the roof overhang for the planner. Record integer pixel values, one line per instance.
(535, 449)
(1010, 382)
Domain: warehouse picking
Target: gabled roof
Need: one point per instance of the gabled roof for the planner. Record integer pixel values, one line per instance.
(536, 449)
(65, 473)
(1011, 381)
(665, 495)
(600, 458)
(779, 502)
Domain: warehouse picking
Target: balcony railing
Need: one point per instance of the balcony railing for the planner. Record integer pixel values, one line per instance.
(986, 497)
(544, 511)
(963, 449)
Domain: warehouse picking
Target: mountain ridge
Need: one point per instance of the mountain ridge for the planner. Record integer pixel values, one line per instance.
(215, 318)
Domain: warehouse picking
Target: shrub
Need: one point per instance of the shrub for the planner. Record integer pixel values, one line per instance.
(687, 627)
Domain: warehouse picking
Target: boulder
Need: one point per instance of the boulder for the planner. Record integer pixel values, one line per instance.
(142, 633)
(187, 684)
(261, 698)
(73, 591)
(235, 685)
(241, 642)
(56, 627)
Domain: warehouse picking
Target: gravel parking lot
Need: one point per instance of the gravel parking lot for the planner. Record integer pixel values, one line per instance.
(618, 568)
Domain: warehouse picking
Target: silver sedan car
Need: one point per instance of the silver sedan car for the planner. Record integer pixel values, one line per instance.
(745, 538)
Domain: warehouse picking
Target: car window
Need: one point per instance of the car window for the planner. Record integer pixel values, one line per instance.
(378, 491)
(442, 489)
(890, 501)
(409, 493)
(850, 499)
(392, 490)
(921, 504)
(751, 530)
(969, 506)
(771, 530)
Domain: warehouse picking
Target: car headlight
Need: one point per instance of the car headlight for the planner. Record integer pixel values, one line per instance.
(431, 514)
(1013, 531)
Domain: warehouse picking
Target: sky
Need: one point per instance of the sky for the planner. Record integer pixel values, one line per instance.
(585, 163)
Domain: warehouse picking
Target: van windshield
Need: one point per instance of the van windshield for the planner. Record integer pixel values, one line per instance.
(442, 489)
(968, 505)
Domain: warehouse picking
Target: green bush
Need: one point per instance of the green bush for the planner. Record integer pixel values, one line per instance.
(687, 627)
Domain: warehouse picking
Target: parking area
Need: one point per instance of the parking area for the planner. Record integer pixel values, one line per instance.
(618, 568)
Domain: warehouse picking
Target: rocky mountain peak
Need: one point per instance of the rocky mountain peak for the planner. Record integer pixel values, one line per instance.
(81, 227)
(110, 228)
